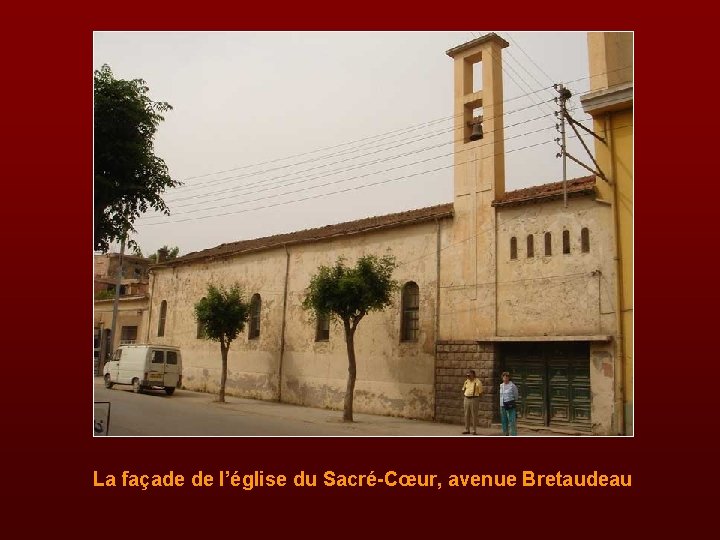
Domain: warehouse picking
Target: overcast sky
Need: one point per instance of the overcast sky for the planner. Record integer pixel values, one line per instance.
(267, 127)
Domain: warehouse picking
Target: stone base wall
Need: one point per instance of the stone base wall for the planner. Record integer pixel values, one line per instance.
(453, 359)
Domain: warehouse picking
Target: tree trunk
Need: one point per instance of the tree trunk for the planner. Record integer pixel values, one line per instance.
(223, 371)
(352, 372)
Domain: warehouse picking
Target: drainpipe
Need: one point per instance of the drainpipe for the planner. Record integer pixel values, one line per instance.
(619, 301)
(437, 312)
(284, 316)
(497, 310)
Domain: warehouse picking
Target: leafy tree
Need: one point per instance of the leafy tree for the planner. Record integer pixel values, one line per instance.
(170, 253)
(349, 294)
(129, 177)
(222, 315)
(104, 295)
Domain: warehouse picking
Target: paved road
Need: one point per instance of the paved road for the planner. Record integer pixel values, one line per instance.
(188, 413)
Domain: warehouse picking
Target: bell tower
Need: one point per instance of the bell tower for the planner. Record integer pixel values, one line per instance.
(467, 295)
(478, 133)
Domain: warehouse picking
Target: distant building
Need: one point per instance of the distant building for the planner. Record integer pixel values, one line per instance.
(133, 304)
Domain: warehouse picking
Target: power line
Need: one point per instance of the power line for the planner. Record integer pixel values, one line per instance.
(341, 180)
(396, 132)
(321, 195)
(268, 184)
(530, 58)
(256, 173)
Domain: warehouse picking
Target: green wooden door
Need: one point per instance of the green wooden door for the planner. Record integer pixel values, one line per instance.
(553, 381)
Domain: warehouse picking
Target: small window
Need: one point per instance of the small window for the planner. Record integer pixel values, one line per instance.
(566, 242)
(172, 357)
(585, 239)
(548, 244)
(410, 312)
(117, 354)
(530, 246)
(255, 303)
(158, 357)
(128, 335)
(322, 329)
(161, 322)
(513, 248)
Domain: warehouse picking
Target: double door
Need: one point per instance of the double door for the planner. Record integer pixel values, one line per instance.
(553, 381)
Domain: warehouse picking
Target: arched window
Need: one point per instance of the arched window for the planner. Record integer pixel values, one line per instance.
(161, 322)
(566, 242)
(410, 312)
(322, 330)
(513, 248)
(530, 246)
(548, 244)
(254, 331)
(200, 330)
(585, 239)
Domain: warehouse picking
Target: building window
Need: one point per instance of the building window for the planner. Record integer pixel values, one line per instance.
(128, 335)
(200, 330)
(410, 312)
(530, 246)
(566, 242)
(161, 322)
(585, 239)
(254, 317)
(322, 330)
(548, 244)
(513, 248)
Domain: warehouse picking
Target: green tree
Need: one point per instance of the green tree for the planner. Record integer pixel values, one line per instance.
(222, 315)
(170, 253)
(348, 294)
(129, 177)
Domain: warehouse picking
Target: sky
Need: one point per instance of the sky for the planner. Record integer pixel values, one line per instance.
(276, 132)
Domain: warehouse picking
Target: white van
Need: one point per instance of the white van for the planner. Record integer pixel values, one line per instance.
(145, 366)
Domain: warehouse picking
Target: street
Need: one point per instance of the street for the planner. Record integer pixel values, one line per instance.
(187, 413)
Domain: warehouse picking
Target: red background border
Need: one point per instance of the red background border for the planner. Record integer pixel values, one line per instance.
(49, 455)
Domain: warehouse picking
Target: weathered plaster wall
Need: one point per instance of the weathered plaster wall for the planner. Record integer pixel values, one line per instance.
(557, 294)
(393, 377)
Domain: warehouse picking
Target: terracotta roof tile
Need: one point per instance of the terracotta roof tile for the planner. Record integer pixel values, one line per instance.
(577, 186)
(321, 233)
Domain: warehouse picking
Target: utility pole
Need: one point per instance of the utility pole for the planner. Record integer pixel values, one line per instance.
(565, 94)
(117, 294)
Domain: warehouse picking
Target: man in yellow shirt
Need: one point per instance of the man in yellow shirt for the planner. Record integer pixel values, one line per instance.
(472, 388)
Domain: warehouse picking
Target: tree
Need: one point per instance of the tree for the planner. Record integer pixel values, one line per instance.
(222, 315)
(170, 253)
(349, 294)
(129, 177)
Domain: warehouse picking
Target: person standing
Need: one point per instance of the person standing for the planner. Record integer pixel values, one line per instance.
(508, 400)
(472, 388)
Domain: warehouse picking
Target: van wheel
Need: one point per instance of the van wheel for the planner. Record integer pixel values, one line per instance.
(108, 382)
(136, 386)
(169, 391)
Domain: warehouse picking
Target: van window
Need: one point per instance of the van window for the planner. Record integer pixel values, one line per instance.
(157, 357)
(171, 357)
(117, 354)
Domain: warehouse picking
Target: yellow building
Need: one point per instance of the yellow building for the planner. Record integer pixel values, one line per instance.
(610, 102)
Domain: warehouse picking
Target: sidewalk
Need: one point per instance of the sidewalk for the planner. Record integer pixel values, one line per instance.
(363, 425)
(263, 417)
